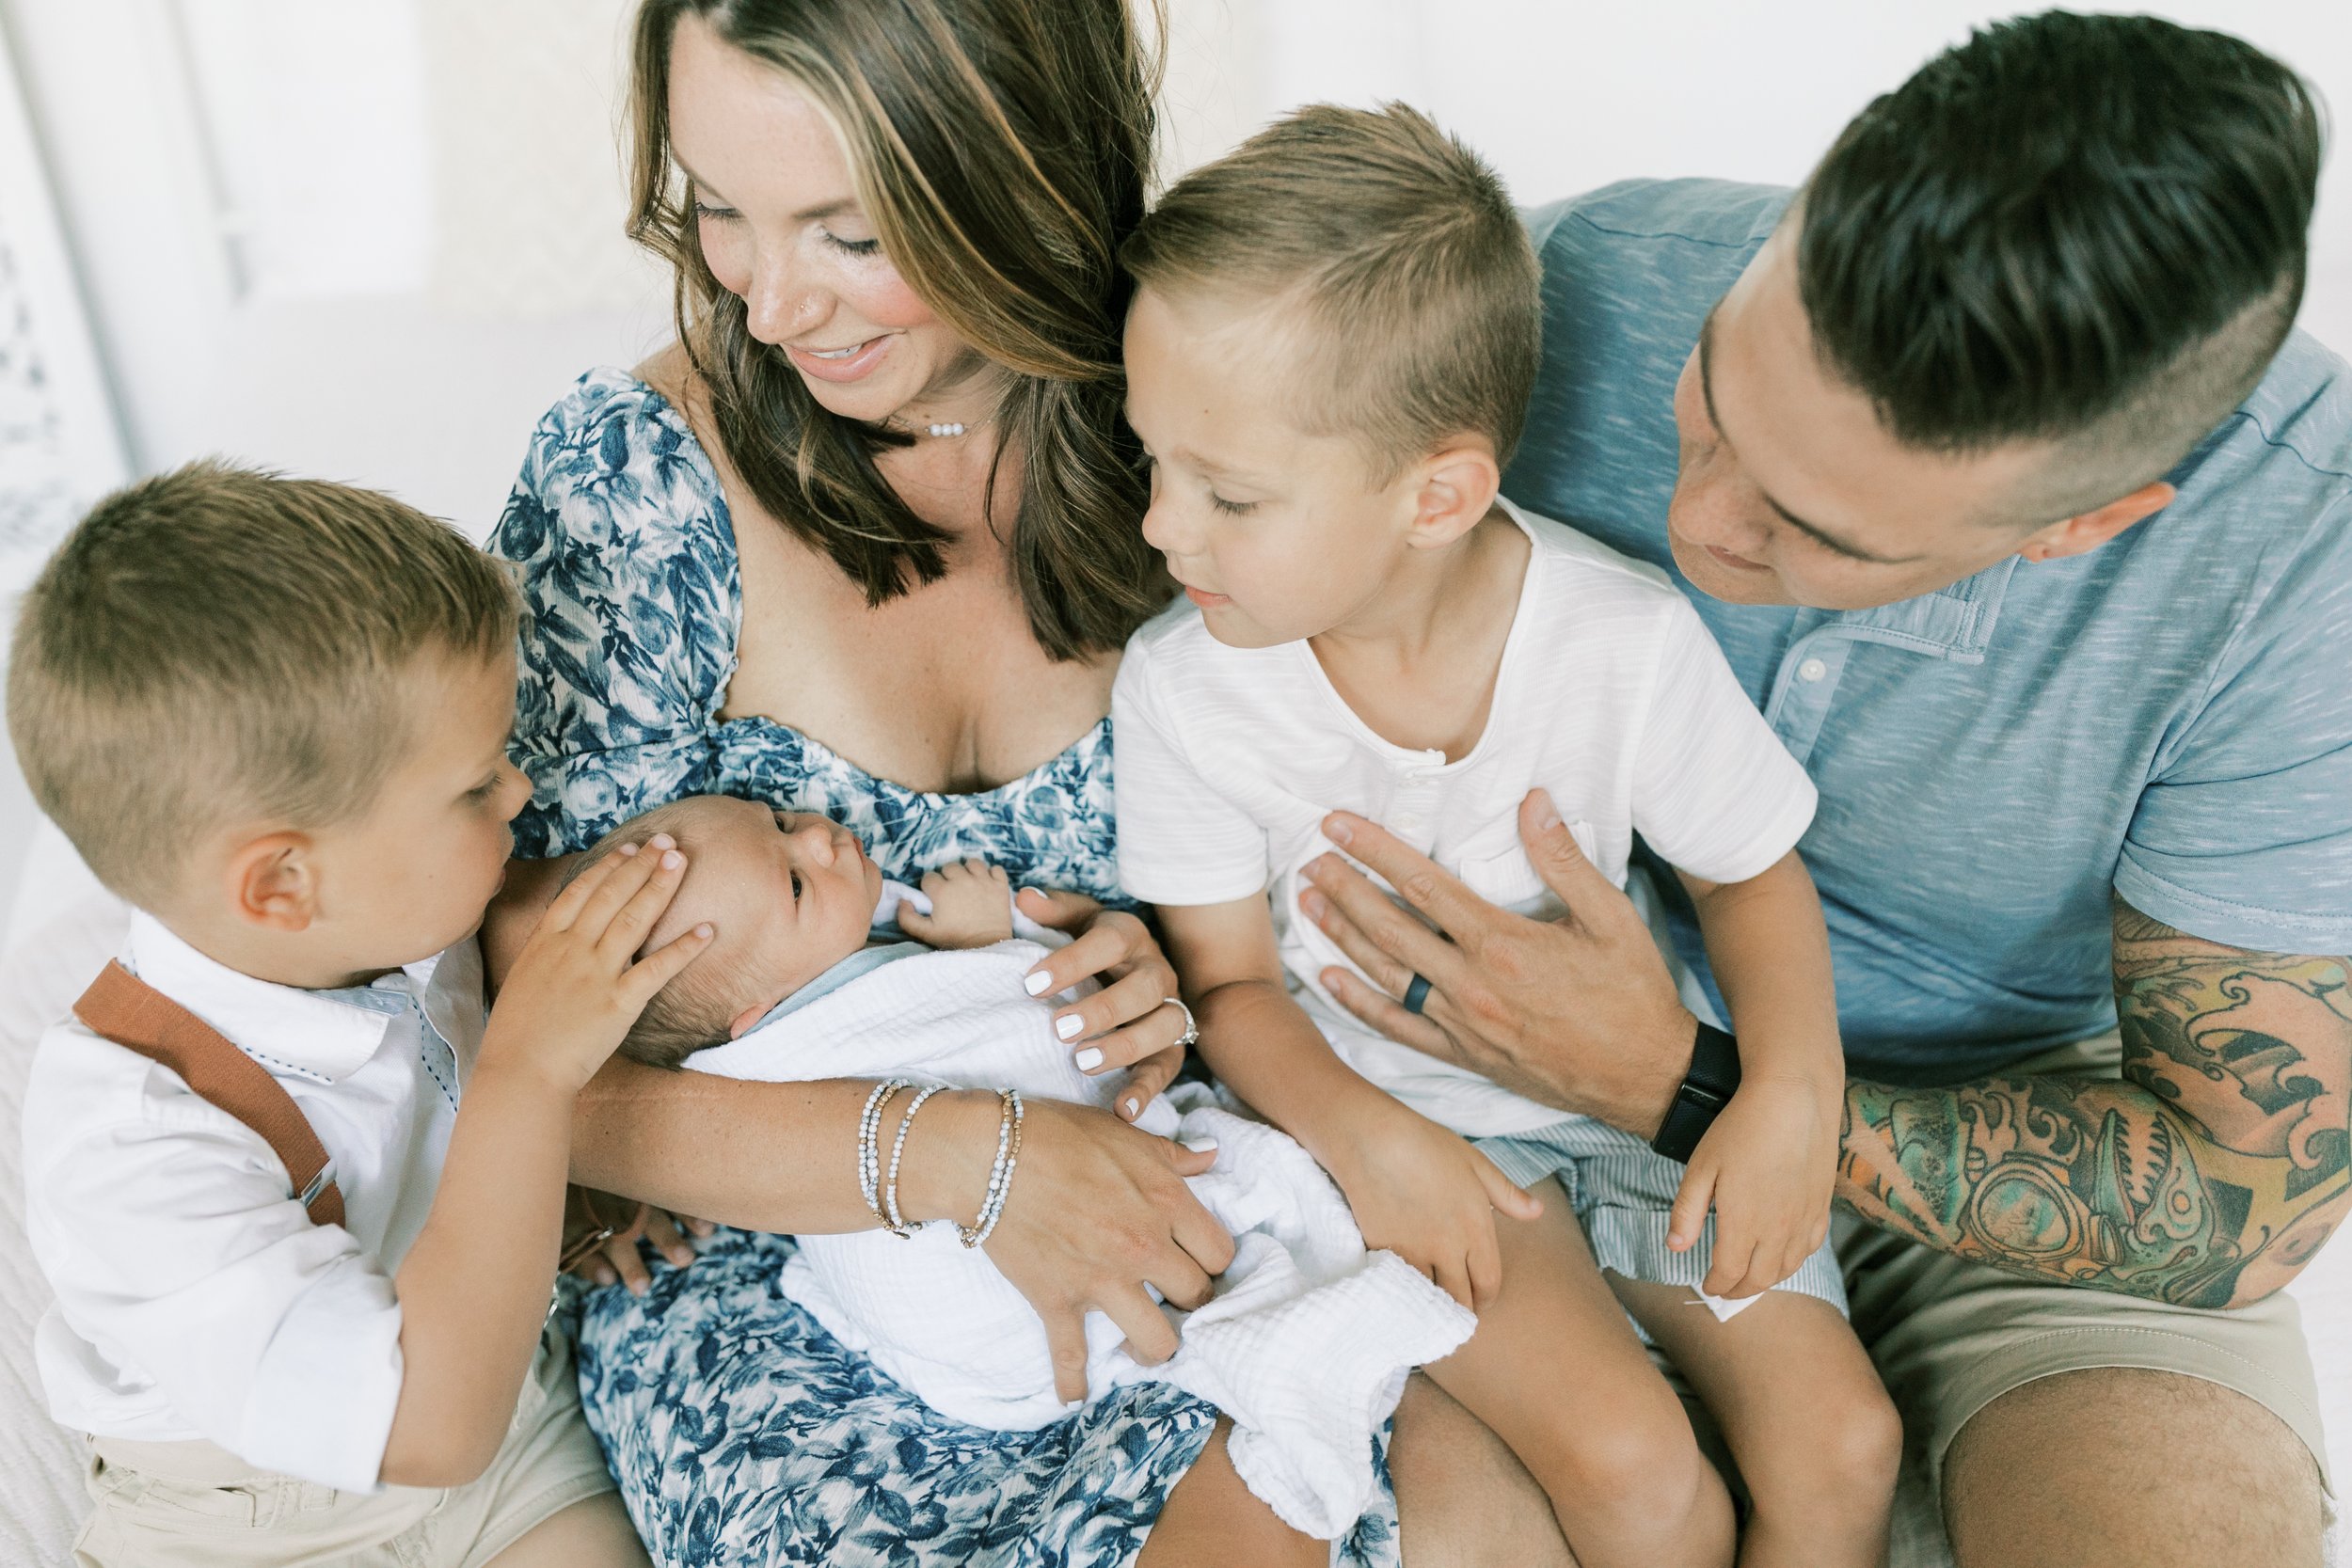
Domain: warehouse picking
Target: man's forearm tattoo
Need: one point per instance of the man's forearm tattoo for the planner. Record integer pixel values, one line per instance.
(2208, 1176)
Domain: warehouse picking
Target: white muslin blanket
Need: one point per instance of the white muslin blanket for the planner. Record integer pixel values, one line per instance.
(1306, 1346)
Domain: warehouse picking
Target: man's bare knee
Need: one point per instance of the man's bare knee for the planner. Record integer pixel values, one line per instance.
(2121, 1467)
(1463, 1498)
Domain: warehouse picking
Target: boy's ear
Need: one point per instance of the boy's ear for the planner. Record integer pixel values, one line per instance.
(273, 881)
(1458, 488)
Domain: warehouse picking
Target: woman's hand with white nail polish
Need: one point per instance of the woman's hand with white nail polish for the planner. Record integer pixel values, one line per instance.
(1127, 1020)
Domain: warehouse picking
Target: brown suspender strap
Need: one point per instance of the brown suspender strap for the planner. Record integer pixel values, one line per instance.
(134, 1015)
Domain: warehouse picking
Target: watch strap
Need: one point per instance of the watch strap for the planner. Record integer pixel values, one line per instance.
(1708, 1085)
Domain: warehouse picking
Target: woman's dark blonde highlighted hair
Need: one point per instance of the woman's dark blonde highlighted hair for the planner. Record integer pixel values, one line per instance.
(1001, 149)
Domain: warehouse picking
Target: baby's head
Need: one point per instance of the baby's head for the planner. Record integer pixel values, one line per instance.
(273, 713)
(1333, 341)
(789, 894)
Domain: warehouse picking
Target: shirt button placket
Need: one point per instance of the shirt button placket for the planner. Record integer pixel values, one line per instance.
(1411, 819)
(1810, 672)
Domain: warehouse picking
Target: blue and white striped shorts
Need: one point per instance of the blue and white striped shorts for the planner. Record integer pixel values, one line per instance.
(1622, 1192)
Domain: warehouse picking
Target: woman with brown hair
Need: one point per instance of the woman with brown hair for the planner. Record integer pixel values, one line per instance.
(865, 543)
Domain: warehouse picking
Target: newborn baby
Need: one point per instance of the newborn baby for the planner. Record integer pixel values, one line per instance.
(812, 976)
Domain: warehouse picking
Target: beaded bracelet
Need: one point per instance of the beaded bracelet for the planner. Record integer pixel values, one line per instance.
(869, 1153)
(895, 1221)
(1000, 1174)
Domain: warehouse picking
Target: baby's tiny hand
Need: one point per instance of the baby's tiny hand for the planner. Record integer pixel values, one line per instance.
(971, 907)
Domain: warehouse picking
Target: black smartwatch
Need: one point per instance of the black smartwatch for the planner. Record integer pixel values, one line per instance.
(1707, 1088)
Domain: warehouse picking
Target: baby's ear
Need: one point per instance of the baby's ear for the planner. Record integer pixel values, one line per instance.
(740, 1024)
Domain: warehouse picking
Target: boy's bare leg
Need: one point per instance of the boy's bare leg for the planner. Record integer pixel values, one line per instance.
(593, 1532)
(1560, 1376)
(1817, 1438)
(1212, 1520)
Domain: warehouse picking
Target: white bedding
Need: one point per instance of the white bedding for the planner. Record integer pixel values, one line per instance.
(64, 929)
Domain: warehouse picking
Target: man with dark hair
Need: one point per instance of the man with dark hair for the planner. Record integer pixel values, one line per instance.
(1994, 466)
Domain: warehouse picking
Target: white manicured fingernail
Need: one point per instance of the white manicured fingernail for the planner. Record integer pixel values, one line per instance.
(1128, 1105)
(1089, 1059)
(1202, 1145)
(1035, 985)
(1068, 1027)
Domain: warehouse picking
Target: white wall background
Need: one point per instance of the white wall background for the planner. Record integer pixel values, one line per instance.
(1565, 95)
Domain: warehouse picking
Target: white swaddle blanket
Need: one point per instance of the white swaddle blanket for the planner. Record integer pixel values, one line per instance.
(1309, 1339)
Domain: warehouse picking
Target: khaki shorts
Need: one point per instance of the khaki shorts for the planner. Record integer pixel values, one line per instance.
(192, 1505)
(1951, 1336)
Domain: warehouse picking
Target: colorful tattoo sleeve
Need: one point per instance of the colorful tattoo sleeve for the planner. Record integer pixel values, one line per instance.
(2208, 1174)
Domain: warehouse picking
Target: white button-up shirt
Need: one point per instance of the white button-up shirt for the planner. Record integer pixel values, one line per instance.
(195, 1298)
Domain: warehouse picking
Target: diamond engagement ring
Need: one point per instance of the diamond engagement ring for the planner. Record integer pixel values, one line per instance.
(1191, 1036)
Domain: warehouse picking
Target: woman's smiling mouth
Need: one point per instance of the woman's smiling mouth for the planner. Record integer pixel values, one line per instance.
(850, 362)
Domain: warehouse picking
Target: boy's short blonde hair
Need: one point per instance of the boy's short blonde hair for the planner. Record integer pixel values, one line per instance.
(1413, 273)
(219, 645)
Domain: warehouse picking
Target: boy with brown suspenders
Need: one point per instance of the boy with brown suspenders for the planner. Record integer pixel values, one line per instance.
(300, 1292)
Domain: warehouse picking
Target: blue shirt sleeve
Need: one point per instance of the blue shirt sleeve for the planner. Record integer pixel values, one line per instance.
(632, 611)
(2244, 833)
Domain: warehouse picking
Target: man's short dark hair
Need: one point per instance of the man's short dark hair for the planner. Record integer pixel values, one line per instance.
(2066, 228)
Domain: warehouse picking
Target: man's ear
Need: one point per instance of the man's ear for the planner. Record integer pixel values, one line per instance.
(2086, 531)
(273, 881)
(1456, 487)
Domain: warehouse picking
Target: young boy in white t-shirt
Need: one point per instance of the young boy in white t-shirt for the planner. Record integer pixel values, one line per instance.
(1328, 359)
(299, 1200)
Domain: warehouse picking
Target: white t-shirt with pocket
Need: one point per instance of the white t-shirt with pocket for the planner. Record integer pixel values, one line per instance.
(1611, 695)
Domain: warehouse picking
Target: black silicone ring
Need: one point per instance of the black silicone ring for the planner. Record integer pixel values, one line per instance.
(1417, 994)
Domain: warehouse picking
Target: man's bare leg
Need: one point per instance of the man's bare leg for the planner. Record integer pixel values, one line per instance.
(2124, 1468)
(1463, 1498)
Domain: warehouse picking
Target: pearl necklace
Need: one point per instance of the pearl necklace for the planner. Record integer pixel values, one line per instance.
(946, 429)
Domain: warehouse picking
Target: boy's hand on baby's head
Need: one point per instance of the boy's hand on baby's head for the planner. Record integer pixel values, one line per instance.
(1767, 1168)
(971, 907)
(579, 983)
(1423, 1193)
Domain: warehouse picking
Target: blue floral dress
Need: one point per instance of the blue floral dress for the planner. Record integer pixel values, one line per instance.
(740, 1431)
